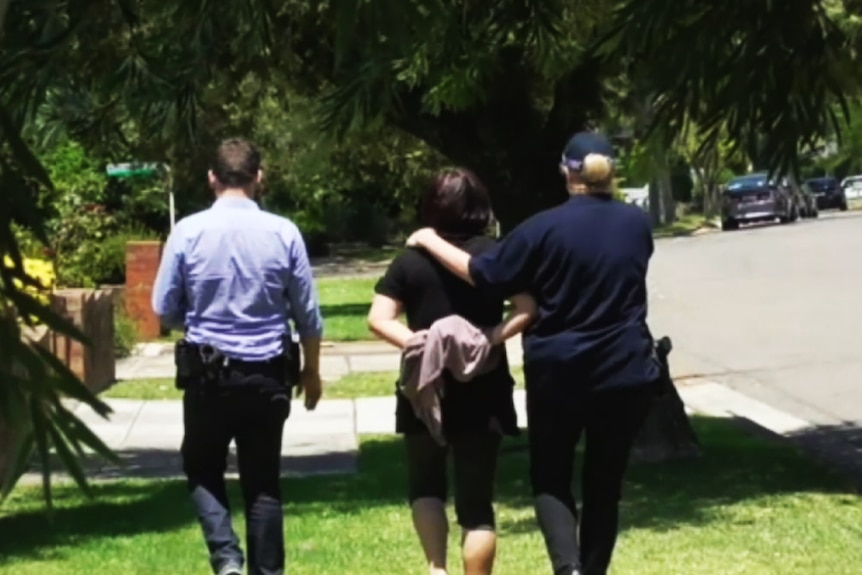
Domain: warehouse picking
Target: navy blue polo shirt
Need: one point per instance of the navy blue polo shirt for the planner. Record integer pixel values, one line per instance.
(585, 262)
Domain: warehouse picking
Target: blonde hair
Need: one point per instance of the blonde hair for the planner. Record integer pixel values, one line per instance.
(594, 177)
(597, 170)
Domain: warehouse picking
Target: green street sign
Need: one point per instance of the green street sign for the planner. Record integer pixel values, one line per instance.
(131, 169)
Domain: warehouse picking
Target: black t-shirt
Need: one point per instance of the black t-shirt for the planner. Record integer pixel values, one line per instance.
(429, 292)
(585, 262)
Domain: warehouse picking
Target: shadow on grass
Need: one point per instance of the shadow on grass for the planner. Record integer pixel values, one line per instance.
(737, 466)
(357, 310)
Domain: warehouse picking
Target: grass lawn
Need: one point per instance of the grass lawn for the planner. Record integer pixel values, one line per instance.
(344, 304)
(748, 507)
(143, 389)
(349, 387)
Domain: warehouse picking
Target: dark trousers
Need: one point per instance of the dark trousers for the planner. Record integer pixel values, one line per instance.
(610, 422)
(251, 410)
(474, 457)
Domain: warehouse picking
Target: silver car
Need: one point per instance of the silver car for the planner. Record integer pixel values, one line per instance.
(756, 198)
(852, 186)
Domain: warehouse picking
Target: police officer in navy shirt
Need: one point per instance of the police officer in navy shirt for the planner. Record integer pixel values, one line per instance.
(589, 362)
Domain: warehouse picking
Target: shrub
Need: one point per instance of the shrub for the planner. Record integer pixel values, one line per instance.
(125, 334)
(108, 264)
(100, 262)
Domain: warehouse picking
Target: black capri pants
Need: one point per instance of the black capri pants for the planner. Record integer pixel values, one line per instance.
(474, 457)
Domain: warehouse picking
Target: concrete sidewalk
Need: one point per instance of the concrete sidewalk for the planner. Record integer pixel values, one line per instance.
(147, 434)
(156, 360)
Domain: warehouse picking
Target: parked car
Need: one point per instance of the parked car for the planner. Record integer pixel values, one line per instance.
(852, 186)
(828, 193)
(757, 198)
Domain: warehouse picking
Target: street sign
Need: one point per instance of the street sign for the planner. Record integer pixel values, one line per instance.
(129, 169)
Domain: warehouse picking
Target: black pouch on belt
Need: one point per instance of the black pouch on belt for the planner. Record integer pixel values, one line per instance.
(190, 367)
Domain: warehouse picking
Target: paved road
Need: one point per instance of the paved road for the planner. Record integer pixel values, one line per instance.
(773, 311)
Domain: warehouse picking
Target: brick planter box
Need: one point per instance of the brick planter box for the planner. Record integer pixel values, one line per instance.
(91, 311)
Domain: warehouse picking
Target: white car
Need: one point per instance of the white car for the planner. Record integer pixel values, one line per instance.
(852, 186)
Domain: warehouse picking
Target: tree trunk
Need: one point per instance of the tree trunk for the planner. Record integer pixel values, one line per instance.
(661, 204)
(661, 168)
(9, 444)
(711, 200)
(667, 433)
(10, 437)
(508, 141)
(4, 7)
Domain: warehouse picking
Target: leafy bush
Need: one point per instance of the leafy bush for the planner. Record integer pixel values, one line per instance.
(28, 244)
(125, 334)
(100, 260)
(104, 262)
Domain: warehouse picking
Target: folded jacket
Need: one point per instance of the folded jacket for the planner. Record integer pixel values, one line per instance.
(451, 344)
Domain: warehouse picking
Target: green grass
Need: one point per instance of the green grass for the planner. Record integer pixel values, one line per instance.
(352, 386)
(356, 385)
(748, 507)
(143, 389)
(344, 304)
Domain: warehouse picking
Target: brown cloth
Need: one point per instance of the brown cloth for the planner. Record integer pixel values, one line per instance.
(451, 344)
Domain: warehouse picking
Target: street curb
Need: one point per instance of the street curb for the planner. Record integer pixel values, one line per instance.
(818, 443)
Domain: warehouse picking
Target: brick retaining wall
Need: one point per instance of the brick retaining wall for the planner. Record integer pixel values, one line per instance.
(142, 265)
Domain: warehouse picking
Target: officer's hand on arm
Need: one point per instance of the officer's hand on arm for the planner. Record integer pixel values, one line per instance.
(454, 259)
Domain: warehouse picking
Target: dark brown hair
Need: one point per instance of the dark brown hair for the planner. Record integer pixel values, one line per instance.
(456, 202)
(236, 163)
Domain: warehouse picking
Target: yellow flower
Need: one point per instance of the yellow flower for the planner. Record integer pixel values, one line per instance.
(40, 270)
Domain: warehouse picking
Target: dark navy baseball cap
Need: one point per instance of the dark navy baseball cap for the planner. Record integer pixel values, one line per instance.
(583, 144)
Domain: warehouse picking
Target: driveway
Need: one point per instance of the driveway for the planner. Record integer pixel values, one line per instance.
(773, 311)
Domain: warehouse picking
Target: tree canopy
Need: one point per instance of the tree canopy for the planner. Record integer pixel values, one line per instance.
(497, 86)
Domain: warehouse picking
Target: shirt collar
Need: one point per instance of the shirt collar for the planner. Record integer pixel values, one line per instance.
(236, 203)
(589, 198)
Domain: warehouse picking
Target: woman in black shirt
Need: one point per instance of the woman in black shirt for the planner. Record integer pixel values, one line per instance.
(589, 359)
(475, 414)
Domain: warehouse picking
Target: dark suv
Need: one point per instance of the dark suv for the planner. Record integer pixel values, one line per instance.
(828, 193)
(757, 198)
